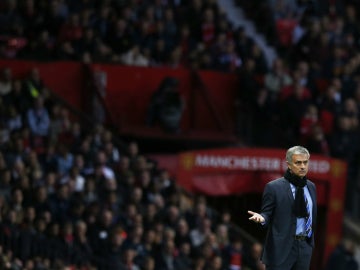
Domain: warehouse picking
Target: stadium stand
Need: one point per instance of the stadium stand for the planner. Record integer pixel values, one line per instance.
(74, 197)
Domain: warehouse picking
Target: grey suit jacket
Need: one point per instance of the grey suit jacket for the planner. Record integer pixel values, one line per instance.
(280, 221)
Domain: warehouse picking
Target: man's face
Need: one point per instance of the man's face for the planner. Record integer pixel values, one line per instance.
(299, 164)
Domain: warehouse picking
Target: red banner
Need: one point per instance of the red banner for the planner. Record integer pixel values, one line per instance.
(266, 160)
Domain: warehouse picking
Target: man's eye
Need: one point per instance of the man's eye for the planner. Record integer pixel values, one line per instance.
(300, 162)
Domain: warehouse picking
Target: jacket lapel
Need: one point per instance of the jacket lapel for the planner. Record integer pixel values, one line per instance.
(287, 187)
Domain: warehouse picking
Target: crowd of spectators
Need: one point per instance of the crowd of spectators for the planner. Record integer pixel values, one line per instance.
(172, 33)
(74, 198)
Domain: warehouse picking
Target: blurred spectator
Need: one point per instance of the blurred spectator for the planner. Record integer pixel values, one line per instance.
(14, 119)
(249, 83)
(306, 77)
(34, 85)
(119, 40)
(71, 30)
(5, 82)
(228, 60)
(41, 47)
(243, 43)
(258, 56)
(81, 242)
(10, 17)
(149, 263)
(351, 109)
(18, 97)
(329, 107)
(41, 203)
(166, 257)
(166, 106)
(296, 99)
(182, 232)
(343, 142)
(308, 44)
(38, 119)
(208, 27)
(110, 255)
(343, 257)
(186, 43)
(17, 204)
(134, 57)
(317, 142)
(297, 83)
(284, 9)
(64, 159)
(184, 259)
(252, 259)
(309, 119)
(199, 233)
(60, 203)
(216, 263)
(335, 64)
(4, 134)
(233, 254)
(5, 189)
(66, 51)
(277, 78)
(222, 236)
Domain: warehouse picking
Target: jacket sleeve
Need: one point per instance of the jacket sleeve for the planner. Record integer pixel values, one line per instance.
(268, 204)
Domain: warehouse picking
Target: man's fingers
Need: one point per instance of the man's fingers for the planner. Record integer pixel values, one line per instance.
(255, 217)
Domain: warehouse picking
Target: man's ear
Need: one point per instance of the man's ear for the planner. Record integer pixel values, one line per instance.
(288, 165)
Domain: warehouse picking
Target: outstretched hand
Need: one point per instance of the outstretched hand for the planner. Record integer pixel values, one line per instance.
(256, 217)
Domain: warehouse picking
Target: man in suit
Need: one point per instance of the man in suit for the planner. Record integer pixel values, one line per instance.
(289, 213)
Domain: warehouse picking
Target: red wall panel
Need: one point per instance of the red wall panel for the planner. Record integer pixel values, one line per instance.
(129, 89)
(64, 78)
